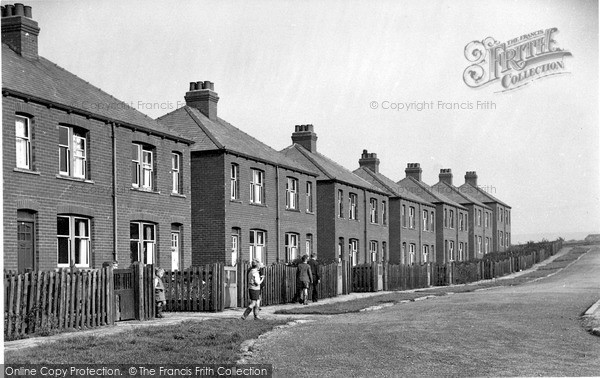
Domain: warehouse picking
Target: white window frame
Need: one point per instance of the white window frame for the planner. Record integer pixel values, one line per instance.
(340, 203)
(74, 242)
(425, 220)
(235, 181)
(146, 246)
(487, 245)
(308, 244)
(257, 187)
(175, 250)
(461, 251)
(451, 220)
(384, 212)
(373, 247)
(403, 216)
(76, 157)
(352, 209)
(23, 142)
(176, 172)
(461, 222)
(309, 197)
(291, 194)
(451, 250)
(292, 251)
(143, 164)
(432, 222)
(258, 245)
(411, 217)
(425, 253)
(235, 245)
(373, 210)
(353, 251)
(411, 253)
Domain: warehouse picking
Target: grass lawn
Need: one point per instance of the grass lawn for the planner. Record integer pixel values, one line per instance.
(215, 341)
(399, 296)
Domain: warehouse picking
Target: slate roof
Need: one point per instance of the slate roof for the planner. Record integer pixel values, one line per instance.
(212, 135)
(42, 80)
(327, 168)
(429, 194)
(457, 195)
(387, 184)
(480, 194)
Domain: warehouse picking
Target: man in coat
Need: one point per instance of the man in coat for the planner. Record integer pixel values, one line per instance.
(314, 267)
(303, 279)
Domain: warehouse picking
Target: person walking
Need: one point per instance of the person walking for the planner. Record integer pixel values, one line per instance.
(254, 282)
(303, 279)
(159, 291)
(314, 267)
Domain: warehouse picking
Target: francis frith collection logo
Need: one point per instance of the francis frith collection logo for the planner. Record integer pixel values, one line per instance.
(514, 63)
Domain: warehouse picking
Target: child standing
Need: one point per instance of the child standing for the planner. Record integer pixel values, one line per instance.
(159, 291)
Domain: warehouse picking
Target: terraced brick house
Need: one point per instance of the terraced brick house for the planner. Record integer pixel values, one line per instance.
(501, 212)
(87, 179)
(479, 215)
(451, 233)
(352, 214)
(412, 220)
(249, 201)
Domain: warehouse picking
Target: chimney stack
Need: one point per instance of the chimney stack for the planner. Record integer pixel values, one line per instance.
(446, 176)
(471, 178)
(203, 97)
(414, 170)
(19, 31)
(369, 160)
(305, 136)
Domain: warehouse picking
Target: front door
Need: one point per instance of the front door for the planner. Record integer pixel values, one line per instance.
(26, 248)
(174, 250)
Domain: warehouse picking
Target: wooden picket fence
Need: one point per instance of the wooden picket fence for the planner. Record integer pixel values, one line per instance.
(199, 288)
(406, 277)
(280, 284)
(67, 298)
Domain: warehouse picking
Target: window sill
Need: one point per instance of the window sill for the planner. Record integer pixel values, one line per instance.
(310, 212)
(178, 195)
(257, 204)
(293, 210)
(235, 200)
(144, 190)
(23, 170)
(69, 178)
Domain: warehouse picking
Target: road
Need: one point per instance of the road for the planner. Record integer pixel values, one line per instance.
(528, 330)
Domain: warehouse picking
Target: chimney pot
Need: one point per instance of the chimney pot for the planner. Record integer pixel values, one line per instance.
(446, 175)
(9, 10)
(206, 84)
(19, 9)
(192, 86)
(28, 11)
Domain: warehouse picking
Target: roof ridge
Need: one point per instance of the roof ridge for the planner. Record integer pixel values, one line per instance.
(376, 177)
(204, 129)
(312, 160)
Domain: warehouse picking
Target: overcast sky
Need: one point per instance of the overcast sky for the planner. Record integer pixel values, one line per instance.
(276, 64)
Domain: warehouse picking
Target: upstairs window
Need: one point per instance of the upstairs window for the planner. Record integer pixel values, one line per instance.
(451, 220)
(73, 234)
(23, 142)
(373, 210)
(479, 217)
(384, 212)
(72, 152)
(432, 222)
(373, 246)
(235, 182)
(352, 210)
(403, 215)
(176, 173)
(142, 167)
(309, 197)
(411, 217)
(353, 251)
(461, 222)
(446, 218)
(487, 219)
(425, 220)
(340, 203)
(257, 187)
(291, 194)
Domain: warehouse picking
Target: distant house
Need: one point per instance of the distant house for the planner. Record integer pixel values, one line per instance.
(479, 216)
(248, 200)
(352, 214)
(501, 212)
(451, 228)
(411, 218)
(87, 178)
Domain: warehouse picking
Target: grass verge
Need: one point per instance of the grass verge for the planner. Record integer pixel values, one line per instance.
(215, 341)
(399, 296)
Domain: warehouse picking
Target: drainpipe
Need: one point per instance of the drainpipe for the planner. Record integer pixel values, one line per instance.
(278, 207)
(366, 243)
(114, 190)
